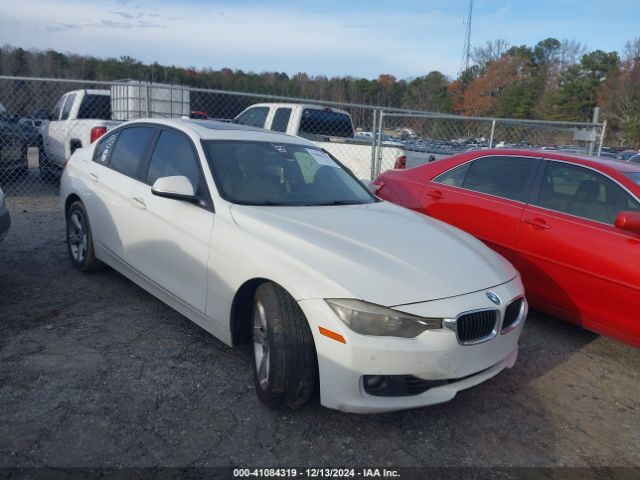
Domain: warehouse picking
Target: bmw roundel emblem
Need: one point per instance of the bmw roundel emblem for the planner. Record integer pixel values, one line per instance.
(494, 298)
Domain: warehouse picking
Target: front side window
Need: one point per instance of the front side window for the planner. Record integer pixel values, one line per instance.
(583, 193)
(502, 176)
(262, 173)
(57, 110)
(130, 146)
(173, 155)
(67, 106)
(254, 117)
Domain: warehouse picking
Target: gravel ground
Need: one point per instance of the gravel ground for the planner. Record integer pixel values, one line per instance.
(95, 372)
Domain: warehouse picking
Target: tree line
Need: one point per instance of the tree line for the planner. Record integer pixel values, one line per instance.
(552, 80)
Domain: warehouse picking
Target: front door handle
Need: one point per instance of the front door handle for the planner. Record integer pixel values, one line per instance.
(93, 176)
(139, 203)
(436, 194)
(537, 223)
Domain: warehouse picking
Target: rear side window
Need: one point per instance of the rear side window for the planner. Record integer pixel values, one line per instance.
(325, 122)
(103, 149)
(95, 106)
(173, 155)
(281, 120)
(67, 106)
(503, 176)
(129, 149)
(454, 177)
(254, 117)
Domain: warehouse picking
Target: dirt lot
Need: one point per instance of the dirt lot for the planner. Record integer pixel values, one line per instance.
(96, 372)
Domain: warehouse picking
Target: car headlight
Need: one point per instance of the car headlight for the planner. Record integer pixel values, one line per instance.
(370, 319)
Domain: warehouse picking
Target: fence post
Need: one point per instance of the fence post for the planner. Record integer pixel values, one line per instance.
(604, 130)
(594, 119)
(374, 128)
(147, 88)
(379, 142)
(493, 129)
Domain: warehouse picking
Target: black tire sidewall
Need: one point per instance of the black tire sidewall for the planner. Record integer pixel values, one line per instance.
(287, 387)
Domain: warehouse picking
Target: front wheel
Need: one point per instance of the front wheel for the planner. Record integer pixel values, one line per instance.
(285, 364)
(80, 240)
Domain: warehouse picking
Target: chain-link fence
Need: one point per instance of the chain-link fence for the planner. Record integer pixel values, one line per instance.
(42, 122)
(430, 136)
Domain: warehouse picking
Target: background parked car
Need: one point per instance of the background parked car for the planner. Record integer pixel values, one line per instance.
(13, 147)
(570, 225)
(5, 217)
(634, 159)
(627, 154)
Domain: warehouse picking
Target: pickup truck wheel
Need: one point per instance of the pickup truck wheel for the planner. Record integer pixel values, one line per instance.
(80, 240)
(285, 363)
(47, 171)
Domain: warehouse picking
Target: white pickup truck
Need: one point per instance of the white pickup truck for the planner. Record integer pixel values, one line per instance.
(79, 118)
(329, 128)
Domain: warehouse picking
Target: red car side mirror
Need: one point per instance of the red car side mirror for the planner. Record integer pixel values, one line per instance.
(628, 221)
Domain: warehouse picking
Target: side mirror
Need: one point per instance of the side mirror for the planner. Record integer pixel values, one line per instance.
(629, 221)
(176, 187)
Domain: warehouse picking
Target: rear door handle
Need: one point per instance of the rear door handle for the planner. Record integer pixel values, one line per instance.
(139, 203)
(93, 176)
(537, 223)
(436, 194)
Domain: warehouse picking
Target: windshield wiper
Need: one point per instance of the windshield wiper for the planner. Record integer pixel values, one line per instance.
(337, 202)
(261, 203)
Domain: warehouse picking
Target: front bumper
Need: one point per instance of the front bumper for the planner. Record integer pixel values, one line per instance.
(433, 355)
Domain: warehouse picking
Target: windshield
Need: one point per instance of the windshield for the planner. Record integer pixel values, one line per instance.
(635, 176)
(262, 173)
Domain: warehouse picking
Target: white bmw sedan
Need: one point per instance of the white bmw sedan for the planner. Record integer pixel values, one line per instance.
(263, 237)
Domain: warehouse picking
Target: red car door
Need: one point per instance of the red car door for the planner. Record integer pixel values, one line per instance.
(485, 197)
(574, 262)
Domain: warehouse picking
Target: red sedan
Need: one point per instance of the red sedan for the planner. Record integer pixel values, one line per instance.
(569, 224)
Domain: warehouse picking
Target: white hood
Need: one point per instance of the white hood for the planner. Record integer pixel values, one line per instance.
(380, 252)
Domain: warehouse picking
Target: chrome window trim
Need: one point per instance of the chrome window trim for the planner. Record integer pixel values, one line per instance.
(594, 170)
(540, 159)
(545, 159)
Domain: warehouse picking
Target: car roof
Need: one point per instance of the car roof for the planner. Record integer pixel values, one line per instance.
(607, 165)
(216, 130)
(312, 106)
(89, 92)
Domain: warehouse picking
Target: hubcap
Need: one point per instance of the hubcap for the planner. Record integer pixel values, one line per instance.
(77, 236)
(261, 345)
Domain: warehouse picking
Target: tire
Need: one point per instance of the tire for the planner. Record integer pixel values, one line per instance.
(80, 239)
(48, 172)
(285, 365)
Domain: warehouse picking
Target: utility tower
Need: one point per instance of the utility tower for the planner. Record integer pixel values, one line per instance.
(466, 49)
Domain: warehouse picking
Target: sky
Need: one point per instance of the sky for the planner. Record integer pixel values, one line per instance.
(405, 38)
